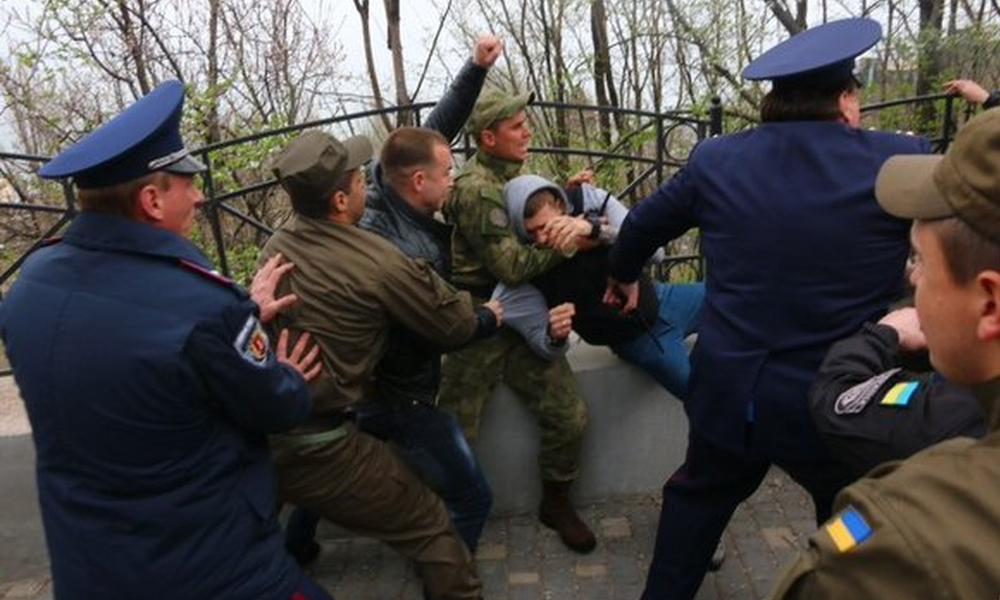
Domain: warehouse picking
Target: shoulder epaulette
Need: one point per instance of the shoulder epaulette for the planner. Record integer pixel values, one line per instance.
(206, 273)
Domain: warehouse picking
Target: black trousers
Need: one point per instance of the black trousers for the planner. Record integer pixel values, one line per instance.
(699, 499)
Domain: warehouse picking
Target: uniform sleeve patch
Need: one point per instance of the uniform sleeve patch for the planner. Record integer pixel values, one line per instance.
(252, 342)
(848, 529)
(498, 218)
(856, 398)
(900, 394)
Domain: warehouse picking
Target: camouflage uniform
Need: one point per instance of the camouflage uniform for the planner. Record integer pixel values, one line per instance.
(485, 250)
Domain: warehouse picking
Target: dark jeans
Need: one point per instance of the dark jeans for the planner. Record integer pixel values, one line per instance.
(662, 352)
(699, 499)
(432, 444)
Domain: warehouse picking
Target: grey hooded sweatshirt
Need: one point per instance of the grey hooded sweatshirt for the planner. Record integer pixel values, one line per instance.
(525, 309)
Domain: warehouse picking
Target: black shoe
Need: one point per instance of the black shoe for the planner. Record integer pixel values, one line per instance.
(305, 554)
(718, 557)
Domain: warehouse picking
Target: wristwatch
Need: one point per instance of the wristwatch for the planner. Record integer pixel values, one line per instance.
(595, 227)
(992, 100)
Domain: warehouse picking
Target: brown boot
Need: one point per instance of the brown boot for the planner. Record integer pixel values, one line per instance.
(556, 512)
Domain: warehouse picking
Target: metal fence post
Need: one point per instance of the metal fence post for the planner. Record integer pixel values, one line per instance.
(715, 117)
(212, 213)
(947, 129)
(661, 149)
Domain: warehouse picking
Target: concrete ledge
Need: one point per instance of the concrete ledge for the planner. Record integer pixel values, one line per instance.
(636, 438)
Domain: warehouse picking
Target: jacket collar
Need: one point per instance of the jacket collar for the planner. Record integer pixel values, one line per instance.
(396, 204)
(988, 395)
(116, 233)
(504, 169)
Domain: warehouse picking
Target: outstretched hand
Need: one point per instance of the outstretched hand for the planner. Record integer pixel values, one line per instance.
(968, 89)
(265, 284)
(303, 358)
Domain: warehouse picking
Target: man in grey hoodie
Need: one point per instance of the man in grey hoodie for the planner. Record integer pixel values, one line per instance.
(651, 338)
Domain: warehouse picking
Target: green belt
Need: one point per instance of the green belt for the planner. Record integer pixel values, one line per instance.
(300, 440)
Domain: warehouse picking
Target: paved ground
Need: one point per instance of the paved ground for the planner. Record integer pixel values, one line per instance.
(518, 559)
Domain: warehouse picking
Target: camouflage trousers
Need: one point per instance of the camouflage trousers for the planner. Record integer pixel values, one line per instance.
(546, 388)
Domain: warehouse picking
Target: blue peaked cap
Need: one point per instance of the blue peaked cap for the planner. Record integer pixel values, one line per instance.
(144, 138)
(821, 54)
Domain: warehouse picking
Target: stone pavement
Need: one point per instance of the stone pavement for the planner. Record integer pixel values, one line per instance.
(521, 560)
(518, 558)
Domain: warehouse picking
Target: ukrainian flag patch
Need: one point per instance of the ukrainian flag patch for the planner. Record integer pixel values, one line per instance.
(900, 394)
(848, 529)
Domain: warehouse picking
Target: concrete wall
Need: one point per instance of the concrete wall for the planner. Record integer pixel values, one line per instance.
(636, 437)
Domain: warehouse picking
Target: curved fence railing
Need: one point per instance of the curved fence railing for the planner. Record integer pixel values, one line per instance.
(649, 164)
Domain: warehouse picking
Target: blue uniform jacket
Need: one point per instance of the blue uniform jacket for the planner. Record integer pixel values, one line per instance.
(149, 393)
(799, 255)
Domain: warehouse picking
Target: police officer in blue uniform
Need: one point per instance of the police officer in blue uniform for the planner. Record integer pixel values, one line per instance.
(799, 255)
(149, 384)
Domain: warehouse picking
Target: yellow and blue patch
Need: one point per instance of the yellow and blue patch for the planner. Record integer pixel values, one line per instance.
(848, 529)
(900, 394)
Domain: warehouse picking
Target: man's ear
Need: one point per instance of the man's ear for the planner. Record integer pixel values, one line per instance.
(487, 138)
(338, 202)
(149, 204)
(988, 285)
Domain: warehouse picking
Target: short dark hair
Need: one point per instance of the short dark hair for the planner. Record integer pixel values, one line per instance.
(316, 207)
(539, 199)
(120, 198)
(806, 101)
(407, 148)
(966, 251)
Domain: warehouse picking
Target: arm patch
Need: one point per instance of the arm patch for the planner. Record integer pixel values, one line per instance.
(252, 343)
(857, 397)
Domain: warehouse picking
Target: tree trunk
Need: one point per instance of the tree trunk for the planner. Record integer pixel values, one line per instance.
(366, 36)
(404, 118)
(929, 59)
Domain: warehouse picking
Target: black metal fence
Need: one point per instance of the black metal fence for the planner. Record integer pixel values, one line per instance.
(652, 167)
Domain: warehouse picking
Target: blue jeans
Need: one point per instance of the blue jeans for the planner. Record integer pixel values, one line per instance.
(662, 352)
(431, 443)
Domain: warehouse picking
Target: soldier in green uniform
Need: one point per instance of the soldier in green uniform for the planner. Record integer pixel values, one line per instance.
(929, 527)
(351, 285)
(486, 250)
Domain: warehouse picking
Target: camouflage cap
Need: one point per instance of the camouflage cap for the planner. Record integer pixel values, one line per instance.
(314, 162)
(964, 182)
(496, 105)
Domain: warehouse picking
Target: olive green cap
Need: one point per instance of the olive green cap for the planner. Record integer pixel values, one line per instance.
(314, 162)
(964, 182)
(496, 105)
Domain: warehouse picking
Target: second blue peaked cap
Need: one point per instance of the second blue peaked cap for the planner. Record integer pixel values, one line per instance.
(822, 54)
(143, 139)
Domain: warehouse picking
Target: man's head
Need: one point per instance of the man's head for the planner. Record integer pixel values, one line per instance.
(500, 125)
(813, 73)
(323, 176)
(955, 201)
(161, 199)
(837, 100)
(531, 202)
(136, 165)
(542, 206)
(417, 164)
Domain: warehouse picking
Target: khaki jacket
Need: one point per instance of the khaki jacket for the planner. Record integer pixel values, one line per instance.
(484, 247)
(929, 528)
(351, 284)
